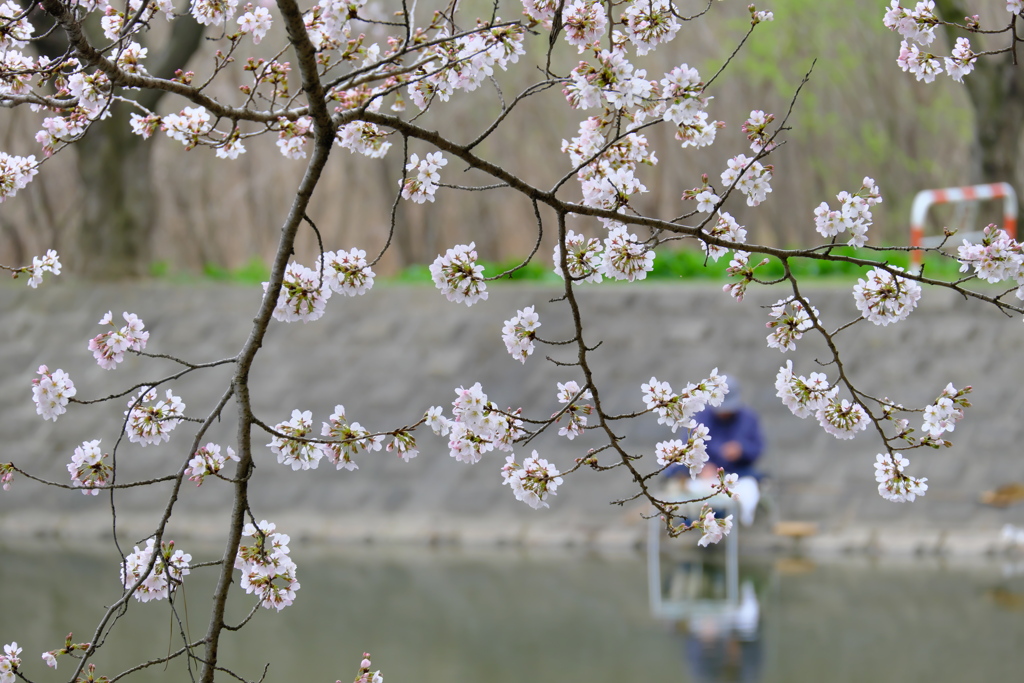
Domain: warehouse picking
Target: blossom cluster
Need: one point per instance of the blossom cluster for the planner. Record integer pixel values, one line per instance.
(750, 177)
(302, 297)
(18, 29)
(351, 439)
(677, 410)
(756, 128)
(625, 258)
(292, 136)
(9, 663)
(519, 332)
(682, 93)
(533, 481)
(422, 186)
(893, 484)
(805, 396)
(88, 468)
(713, 530)
(403, 443)
(884, 298)
(477, 426)
(464, 63)
(188, 127)
(998, 257)
(458, 276)
(842, 418)
(255, 22)
(649, 23)
(49, 263)
(584, 258)
(15, 174)
(62, 130)
(943, 414)
(267, 569)
(917, 27)
(853, 214)
(622, 258)
(584, 23)
(791, 320)
(169, 567)
(51, 392)
(93, 92)
(612, 82)
(297, 447)
(367, 139)
(725, 228)
(152, 424)
(108, 347)
(568, 394)
(299, 455)
(606, 157)
(606, 163)
(208, 460)
(305, 291)
(693, 454)
(739, 267)
(346, 272)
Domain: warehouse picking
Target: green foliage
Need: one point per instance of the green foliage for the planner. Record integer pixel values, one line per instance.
(417, 272)
(690, 264)
(254, 272)
(687, 264)
(669, 266)
(852, 118)
(159, 269)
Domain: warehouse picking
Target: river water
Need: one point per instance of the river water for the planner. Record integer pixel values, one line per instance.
(451, 616)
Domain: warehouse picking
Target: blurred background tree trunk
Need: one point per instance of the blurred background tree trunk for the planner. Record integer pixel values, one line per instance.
(115, 226)
(996, 91)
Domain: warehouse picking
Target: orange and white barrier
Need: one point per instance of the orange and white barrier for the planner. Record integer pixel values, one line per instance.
(971, 193)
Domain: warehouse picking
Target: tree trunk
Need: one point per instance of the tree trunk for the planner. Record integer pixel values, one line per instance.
(115, 166)
(118, 205)
(996, 91)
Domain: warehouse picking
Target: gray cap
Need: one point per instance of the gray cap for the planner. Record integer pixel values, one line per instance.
(733, 400)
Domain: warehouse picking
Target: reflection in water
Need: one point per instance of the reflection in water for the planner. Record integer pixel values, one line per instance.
(718, 624)
(506, 617)
(725, 646)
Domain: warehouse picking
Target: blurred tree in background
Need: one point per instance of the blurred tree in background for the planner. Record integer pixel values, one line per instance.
(996, 90)
(153, 210)
(114, 231)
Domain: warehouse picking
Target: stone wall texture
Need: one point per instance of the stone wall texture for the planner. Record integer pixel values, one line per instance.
(390, 355)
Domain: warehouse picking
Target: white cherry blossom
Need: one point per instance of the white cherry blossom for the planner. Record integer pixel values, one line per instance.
(169, 568)
(714, 530)
(519, 332)
(533, 481)
(884, 298)
(151, 423)
(51, 392)
(458, 276)
(893, 484)
(299, 455)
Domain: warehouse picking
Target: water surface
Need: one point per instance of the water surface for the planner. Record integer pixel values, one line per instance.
(462, 617)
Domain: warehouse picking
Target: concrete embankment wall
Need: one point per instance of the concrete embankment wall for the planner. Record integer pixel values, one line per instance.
(390, 355)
